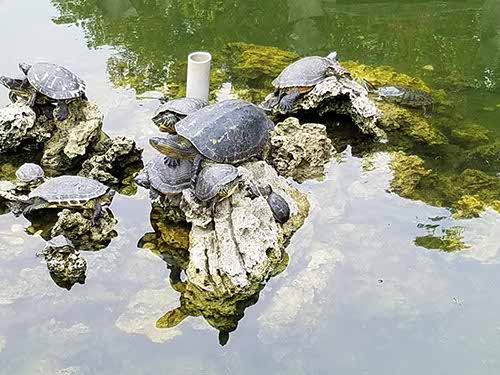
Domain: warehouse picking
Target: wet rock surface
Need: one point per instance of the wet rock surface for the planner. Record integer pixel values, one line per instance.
(300, 151)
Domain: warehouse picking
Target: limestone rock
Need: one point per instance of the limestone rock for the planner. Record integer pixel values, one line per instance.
(77, 227)
(18, 129)
(114, 156)
(240, 244)
(73, 137)
(299, 151)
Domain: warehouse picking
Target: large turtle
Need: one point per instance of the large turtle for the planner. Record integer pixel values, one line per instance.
(301, 76)
(228, 132)
(216, 181)
(162, 178)
(169, 113)
(55, 82)
(402, 95)
(71, 192)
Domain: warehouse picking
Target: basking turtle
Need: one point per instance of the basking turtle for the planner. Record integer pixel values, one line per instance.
(71, 192)
(169, 113)
(402, 95)
(55, 82)
(278, 204)
(301, 76)
(174, 147)
(162, 178)
(216, 181)
(229, 132)
(30, 173)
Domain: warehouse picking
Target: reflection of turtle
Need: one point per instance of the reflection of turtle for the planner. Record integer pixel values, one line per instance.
(71, 192)
(402, 95)
(55, 82)
(301, 76)
(30, 173)
(64, 263)
(169, 113)
(230, 132)
(278, 204)
(217, 181)
(162, 178)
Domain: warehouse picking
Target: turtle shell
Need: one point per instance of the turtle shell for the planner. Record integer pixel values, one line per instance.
(167, 179)
(212, 179)
(29, 172)
(279, 207)
(308, 71)
(55, 81)
(230, 131)
(60, 242)
(181, 106)
(69, 188)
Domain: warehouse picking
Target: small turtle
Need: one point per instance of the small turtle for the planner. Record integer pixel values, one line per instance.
(278, 204)
(162, 178)
(71, 192)
(55, 82)
(229, 132)
(30, 173)
(217, 181)
(169, 113)
(402, 95)
(301, 76)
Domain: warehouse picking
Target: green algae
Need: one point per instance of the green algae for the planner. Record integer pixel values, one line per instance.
(451, 240)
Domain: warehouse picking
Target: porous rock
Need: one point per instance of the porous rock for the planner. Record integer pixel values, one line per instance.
(77, 227)
(299, 151)
(240, 244)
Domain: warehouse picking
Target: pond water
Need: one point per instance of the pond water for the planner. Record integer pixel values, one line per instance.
(367, 289)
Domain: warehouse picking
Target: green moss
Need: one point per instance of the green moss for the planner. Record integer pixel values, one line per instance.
(450, 241)
(470, 134)
(486, 156)
(467, 207)
(408, 172)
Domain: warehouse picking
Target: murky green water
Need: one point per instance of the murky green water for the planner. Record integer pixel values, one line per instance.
(361, 294)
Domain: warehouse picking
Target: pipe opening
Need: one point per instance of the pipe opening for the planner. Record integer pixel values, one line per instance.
(200, 57)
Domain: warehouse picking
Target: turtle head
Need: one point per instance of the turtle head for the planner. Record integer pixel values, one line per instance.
(370, 87)
(11, 83)
(142, 179)
(173, 146)
(333, 56)
(24, 67)
(108, 197)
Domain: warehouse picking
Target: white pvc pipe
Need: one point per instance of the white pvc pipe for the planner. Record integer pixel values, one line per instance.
(198, 75)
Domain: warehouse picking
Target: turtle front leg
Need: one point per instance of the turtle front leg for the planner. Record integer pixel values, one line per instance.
(36, 205)
(32, 99)
(196, 169)
(171, 162)
(62, 110)
(97, 213)
(288, 101)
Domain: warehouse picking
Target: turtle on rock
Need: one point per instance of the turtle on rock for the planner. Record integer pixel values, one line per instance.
(30, 173)
(278, 204)
(169, 113)
(162, 178)
(51, 81)
(228, 132)
(216, 182)
(302, 76)
(71, 192)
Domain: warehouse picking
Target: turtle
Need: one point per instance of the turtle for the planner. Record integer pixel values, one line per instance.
(229, 132)
(169, 113)
(301, 76)
(162, 178)
(279, 206)
(216, 181)
(71, 192)
(174, 147)
(55, 82)
(402, 95)
(30, 173)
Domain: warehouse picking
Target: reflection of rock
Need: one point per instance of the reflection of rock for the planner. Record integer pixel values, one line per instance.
(77, 227)
(143, 311)
(294, 310)
(113, 157)
(299, 151)
(241, 243)
(29, 283)
(3, 343)
(18, 129)
(72, 137)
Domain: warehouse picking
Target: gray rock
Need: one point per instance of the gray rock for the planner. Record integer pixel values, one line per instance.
(240, 244)
(18, 129)
(114, 155)
(299, 151)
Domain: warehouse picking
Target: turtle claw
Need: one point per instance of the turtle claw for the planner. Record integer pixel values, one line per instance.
(171, 162)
